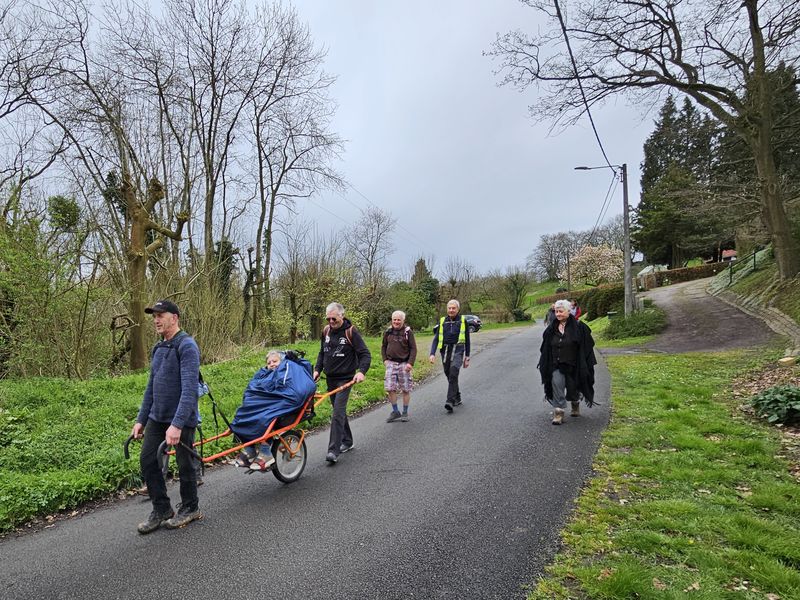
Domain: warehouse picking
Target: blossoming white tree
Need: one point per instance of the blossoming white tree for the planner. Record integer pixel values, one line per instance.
(594, 265)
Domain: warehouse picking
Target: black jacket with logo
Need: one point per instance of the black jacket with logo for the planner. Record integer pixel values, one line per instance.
(342, 352)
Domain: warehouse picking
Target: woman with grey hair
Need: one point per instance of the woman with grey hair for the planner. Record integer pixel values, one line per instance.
(566, 362)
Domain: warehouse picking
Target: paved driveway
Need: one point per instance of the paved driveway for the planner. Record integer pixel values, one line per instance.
(698, 321)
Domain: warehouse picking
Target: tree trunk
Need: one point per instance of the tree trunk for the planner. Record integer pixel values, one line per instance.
(295, 317)
(137, 270)
(784, 245)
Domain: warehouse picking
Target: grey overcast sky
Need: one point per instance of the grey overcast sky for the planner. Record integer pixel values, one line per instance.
(432, 139)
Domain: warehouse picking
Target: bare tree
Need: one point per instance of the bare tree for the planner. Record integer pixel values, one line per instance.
(221, 60)
(610, 233)
(458, 278)
(28, 52)
(290, 115)
(370, 243)
(88, 98)
(551, 254)
(312, 271)
(718, 53)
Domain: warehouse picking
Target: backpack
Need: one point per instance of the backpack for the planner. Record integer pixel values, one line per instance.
(348, 333)
(406, 330)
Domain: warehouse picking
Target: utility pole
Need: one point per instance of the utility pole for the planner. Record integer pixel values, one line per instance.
(626, 233)
(626, 242)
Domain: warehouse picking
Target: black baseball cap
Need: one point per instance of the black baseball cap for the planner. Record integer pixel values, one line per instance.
(163, 306)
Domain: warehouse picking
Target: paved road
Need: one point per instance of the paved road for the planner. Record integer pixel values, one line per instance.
(467, 505)
(697, 321)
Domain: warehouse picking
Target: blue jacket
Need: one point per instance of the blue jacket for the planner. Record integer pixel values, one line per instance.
(171, 393)
(271, 394)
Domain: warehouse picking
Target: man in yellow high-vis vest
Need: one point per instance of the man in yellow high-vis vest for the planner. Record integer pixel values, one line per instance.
(451, 337)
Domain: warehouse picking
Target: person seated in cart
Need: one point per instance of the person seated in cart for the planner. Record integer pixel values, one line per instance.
(280, 388)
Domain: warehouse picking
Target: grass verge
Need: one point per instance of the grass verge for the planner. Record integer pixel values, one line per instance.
(61, 440)
(599, 327)
(688, 499)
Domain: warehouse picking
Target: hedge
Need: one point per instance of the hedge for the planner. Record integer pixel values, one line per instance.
(660, 278)
(594, 302)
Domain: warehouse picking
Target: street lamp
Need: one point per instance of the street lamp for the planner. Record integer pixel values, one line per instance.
(626, 232)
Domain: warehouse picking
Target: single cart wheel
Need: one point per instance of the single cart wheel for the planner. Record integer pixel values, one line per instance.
(288, 468)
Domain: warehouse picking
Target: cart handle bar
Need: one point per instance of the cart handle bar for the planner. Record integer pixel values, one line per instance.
(162, 449)
(318, 398)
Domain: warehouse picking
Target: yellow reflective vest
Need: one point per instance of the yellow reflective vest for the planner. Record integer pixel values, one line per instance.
(462, 335)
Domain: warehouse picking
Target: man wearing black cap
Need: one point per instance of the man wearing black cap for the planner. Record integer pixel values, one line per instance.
(169, 412)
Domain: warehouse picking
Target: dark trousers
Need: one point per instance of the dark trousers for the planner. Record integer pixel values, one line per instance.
(340, 425)
(154, 434)
(452, 359)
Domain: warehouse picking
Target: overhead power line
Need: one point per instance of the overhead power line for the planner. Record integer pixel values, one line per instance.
(373, 205)
(604, 207)
(580, 84)
(606, 203)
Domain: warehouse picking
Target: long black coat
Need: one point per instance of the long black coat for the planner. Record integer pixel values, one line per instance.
(584, 370)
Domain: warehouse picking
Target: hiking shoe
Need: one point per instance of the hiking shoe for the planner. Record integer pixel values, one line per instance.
(183, 518)
(404, 418)
(154, 521)
(262, 462)
(558, 416)
(394, 416)
(576, 409)
(346, 448)
(458, 401)
(331, 458)
(448, 407)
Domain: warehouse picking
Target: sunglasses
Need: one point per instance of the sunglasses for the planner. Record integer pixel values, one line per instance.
(331, 319)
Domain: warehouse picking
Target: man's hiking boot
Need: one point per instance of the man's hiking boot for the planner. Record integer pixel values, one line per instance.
(448, 407)
(183, 518)
(154, 521)
(331, 458)
(558, 416)
(394, 416)
(576, 409)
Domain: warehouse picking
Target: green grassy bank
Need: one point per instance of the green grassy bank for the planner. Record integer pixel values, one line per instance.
(690, 499)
